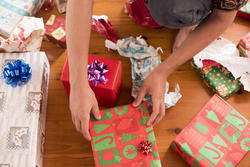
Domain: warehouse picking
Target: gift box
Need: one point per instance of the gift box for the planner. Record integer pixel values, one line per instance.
(61, 5)
(12, 12)
(219, 80)
(244, 12)
(55, 30)
(26, 37)
(23, 113)
(244, 46)
(121, 138)
(106, 93)
(221, 136)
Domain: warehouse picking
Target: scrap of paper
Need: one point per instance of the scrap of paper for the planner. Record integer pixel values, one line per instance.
(144, 59)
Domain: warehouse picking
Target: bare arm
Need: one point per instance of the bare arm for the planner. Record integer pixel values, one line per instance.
(82, 98)
(203, 35)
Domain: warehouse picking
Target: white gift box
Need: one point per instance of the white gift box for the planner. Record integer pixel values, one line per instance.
(12, 12)
(23, 113)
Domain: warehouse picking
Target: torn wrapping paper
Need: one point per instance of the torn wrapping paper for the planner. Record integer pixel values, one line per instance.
(244, 46)
(102, 25)
(12, 12)
(139, 12)
(121, 138)
(23, 113)
(226, 53)
(144, 59)
(218, 136)
(26, 37)
(61, 5)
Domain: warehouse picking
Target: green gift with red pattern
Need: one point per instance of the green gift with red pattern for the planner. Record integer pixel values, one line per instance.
(219, 80)
(218, 136)
(121, 137)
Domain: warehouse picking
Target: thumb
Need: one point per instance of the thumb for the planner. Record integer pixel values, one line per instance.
(96, 111)
(140, 96)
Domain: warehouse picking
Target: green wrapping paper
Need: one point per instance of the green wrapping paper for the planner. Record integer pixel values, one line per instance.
(219, 80)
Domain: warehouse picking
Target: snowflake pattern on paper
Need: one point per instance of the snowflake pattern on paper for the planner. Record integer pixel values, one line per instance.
(34, 102)
(18, 138)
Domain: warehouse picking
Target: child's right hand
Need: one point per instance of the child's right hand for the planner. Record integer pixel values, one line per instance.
(82, 102)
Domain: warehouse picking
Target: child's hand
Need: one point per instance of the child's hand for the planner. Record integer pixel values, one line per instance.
(155, 85)
(82, 102)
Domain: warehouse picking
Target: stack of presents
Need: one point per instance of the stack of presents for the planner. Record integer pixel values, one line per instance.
(121, 137)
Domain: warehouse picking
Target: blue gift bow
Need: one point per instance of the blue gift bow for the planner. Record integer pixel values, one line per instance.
(17, 73)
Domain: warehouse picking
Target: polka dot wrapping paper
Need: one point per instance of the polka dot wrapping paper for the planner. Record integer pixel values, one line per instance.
(219, 80)
(221, 139)
(118, 136)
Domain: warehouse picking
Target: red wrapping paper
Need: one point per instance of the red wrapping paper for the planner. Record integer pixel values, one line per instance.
(140, 13)
(218, 136)
(116, 136)
(55, 30)
(106, 94)
(102, 25)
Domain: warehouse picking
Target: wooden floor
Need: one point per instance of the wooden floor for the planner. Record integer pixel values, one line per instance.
(66, 148)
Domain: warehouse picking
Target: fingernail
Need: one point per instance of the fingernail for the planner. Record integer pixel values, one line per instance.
(134, 104)
(98, 117)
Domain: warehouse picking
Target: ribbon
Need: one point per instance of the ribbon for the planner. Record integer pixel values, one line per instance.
(145, 147)
(96, 72)
(17, 73)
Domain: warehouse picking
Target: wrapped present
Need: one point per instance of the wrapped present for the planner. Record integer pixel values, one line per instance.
(219, 80)
(55, 30)
(244, 46)
(26, 37)
(105, 77)
(61, 5)
(138, 11)
(226, 53)
(244, 12)
(23, 111)
(144, 59)
(121, 138)
(12, 12)
(221, 136)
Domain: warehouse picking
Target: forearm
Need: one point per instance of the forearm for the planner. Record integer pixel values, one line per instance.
(198, 39)
(78, 27)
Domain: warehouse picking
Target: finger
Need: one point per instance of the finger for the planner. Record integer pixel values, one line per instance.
(78, 125)
(85, 128)
(96, 111)
(156, 107)
(160, 115)
(140, 96)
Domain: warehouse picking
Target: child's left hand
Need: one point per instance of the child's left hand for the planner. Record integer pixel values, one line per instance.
(155, 85)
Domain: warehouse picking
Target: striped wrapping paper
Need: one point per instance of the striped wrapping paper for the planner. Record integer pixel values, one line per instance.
(22, 113)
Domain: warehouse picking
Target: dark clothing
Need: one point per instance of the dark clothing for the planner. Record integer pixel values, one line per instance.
(182, 13)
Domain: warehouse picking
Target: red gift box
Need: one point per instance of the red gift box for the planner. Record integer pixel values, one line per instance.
(106, 94)
(217, 136)
(55, 30)
(244, 46)
(121, 137)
